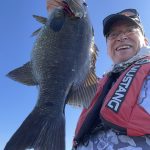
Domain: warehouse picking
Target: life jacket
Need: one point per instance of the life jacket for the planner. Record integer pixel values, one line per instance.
(120, 109)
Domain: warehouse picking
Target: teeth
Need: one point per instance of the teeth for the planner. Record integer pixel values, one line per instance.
(123, 47)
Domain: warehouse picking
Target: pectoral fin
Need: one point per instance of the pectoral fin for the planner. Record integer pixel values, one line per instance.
(40, 19)
(23, 74)
(36, 32)
(83, 94)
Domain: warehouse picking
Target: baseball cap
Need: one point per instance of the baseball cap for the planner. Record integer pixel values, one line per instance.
(130, 15)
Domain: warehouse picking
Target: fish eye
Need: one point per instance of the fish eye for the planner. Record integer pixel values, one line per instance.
(85, 4)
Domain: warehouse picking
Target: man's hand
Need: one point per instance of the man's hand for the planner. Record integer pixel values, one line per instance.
(51, 4)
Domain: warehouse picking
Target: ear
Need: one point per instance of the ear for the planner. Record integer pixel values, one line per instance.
(146, 41)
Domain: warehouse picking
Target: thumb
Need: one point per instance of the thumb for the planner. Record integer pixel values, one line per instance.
(51, 4)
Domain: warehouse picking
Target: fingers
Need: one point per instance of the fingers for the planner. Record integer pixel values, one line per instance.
(51, 4)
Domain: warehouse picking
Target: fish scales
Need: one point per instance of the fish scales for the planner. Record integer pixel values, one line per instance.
(70, 49)
(58, 59)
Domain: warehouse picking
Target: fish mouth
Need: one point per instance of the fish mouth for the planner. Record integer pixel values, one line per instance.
(123, 47)
(76, 8)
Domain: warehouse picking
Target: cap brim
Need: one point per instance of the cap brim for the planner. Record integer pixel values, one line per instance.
(108, 24)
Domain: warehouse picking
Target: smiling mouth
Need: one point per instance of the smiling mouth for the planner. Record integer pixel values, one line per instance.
(124, 47)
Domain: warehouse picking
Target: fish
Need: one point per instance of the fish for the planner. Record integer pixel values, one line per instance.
(62, 66)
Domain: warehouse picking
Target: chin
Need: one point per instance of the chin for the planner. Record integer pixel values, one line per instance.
(121, 60)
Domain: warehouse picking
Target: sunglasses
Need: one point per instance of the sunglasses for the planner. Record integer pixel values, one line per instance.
(129, 31)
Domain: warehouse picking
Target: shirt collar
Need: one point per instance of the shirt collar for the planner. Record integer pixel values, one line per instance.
(144, 52)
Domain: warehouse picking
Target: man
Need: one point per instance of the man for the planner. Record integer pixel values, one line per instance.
(119, 115)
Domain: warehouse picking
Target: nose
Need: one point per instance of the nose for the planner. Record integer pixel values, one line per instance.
(122, 37)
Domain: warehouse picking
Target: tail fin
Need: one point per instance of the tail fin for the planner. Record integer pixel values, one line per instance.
(39, 131)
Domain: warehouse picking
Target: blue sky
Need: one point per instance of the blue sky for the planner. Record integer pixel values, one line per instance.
(16, 26)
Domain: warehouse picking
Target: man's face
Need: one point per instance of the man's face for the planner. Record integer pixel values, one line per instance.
(124, 41)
